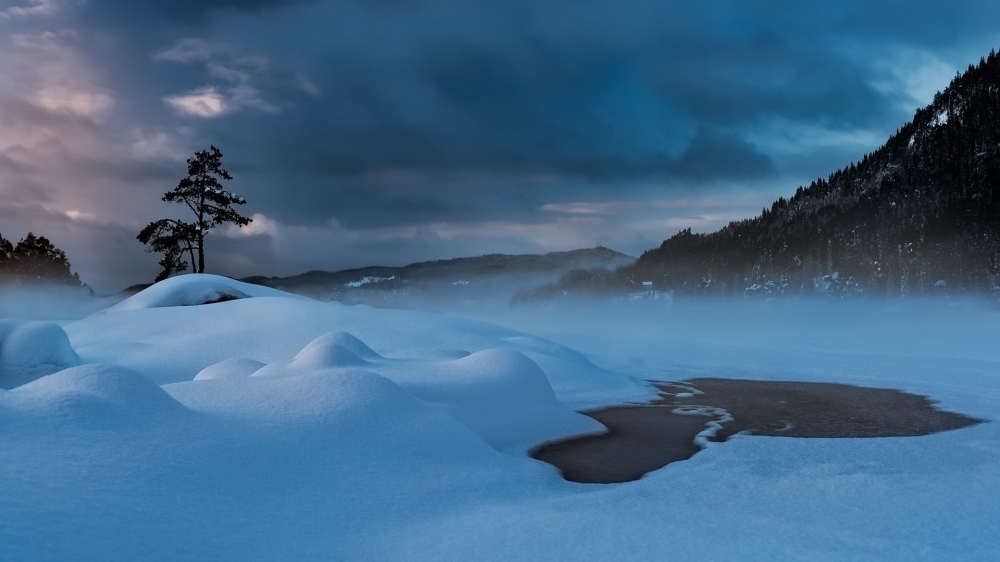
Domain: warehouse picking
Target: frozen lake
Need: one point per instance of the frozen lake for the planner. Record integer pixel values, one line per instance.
(274, 427)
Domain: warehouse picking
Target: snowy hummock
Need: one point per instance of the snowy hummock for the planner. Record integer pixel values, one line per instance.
(31, 350)
(174, 343)
(272, 427)
(193, 290)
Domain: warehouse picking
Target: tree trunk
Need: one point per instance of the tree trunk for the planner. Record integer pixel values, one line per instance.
(201, 227)
(201, 253)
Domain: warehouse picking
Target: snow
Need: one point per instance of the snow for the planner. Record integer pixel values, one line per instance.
(718, 417)
(273, 427)
(276, 329)
(366, 280)
(940, 118)
(326, 352)
(230, 368)
(90, 392)
(31, 350)
(184, 291)
(504, 397)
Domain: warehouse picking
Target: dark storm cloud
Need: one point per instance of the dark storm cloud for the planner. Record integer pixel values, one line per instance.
(172, 12)
(586, 91)
(386, 117)
(723, 156)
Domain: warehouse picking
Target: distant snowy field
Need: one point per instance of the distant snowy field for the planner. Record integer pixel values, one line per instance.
(273, 427)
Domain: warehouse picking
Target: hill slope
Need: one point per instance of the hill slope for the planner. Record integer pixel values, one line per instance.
(475, 278)
(915, 216)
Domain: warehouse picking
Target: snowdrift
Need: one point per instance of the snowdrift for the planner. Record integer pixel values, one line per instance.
(194, 290)
(91, 393)
(31, 350)
(176, 343)
(272, 427)
(512, 390)
(503, 396)
(499, 394)
(230, 368)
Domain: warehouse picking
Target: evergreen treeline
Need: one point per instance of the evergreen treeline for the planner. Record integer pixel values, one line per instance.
(35, 261)
(918, 215)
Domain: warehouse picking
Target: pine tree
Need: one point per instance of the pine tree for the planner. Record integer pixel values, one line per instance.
(36, 260)
(202, 193)
(6, 258)
(919, 210)
(172, 238)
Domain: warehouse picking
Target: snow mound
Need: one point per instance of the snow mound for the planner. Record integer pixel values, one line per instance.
(91, 391)
(230, 368)
(350, 343)
(503, 374)
(504, 397)
(361, 410)
(333, 350)
(273, 330)
(328, 351)
(575, 379)
(195, 289)
(315, 396)
(31, 350)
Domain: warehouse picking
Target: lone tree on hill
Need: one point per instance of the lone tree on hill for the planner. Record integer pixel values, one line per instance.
(172, 238)
(202, 193)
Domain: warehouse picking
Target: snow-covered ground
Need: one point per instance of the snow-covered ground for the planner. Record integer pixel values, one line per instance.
(273, 427)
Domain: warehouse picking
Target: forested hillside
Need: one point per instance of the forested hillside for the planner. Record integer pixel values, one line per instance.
(493, 276)
(917, 216)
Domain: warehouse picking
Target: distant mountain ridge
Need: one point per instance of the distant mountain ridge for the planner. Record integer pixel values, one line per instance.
(487, 276)
(919, 215)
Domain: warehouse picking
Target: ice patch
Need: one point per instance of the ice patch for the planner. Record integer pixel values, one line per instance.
(31, 350)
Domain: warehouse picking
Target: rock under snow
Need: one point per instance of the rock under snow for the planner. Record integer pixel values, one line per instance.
(195, 289)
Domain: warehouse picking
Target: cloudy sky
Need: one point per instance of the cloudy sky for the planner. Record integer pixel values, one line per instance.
(390, 131)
